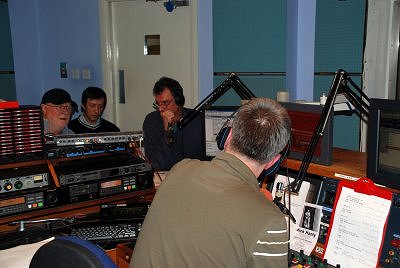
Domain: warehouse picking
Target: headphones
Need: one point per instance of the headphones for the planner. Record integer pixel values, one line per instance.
(223, 135)
(177, 93)
(173, 85)
(274, 168)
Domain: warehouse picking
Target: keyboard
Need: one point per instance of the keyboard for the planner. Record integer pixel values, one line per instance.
(110, 232)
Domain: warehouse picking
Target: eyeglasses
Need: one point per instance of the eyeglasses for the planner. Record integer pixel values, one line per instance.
(61, 108)
(157, 105)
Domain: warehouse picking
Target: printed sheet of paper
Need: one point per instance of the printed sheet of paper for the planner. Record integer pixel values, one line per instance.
(356, 233)
(304, 233)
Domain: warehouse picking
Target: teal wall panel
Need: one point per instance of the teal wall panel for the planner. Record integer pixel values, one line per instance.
(339, 44)
(250, 37)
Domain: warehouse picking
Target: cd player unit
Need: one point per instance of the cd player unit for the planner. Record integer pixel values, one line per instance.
(101, 188)
(21, 202)
(92, 175)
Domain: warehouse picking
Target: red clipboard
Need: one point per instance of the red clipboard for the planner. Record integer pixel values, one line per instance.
(364, 186)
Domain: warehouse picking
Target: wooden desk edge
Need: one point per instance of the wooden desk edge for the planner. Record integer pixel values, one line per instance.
(345, 163)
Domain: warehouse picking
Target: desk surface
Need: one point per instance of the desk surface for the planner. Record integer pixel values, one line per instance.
(345, 163)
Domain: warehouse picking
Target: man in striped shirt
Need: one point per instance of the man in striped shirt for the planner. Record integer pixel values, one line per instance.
(211, 213)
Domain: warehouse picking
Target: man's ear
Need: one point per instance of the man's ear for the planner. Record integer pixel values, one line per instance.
(43, 108)
(273, 161)
(82, 107)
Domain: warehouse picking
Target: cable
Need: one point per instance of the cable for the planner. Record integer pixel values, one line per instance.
(143, 156)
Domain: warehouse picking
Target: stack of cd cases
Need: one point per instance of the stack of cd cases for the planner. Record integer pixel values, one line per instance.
(21, 134)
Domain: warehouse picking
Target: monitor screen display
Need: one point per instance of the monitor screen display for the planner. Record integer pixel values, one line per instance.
(214, 118)
(383, 143)
(389, 143)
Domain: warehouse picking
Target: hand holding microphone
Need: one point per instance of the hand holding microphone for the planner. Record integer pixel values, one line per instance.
(170, 125)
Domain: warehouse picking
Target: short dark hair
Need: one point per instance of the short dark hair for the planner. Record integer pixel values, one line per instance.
(261, 129)
(94, 93)
(173, 85)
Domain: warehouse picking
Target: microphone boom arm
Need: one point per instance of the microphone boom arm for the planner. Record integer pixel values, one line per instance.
(232, 81)
(339, 86)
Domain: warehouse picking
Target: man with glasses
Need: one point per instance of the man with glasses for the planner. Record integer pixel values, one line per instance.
(56, 108)
(164, 142)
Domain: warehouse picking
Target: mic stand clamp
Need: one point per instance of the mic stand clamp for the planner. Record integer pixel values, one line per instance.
(284, 209)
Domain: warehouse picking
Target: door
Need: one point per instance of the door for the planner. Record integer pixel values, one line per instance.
(129, 74)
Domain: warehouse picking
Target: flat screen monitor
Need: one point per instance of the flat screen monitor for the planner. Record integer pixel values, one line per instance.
(214, 119)
(383, 142)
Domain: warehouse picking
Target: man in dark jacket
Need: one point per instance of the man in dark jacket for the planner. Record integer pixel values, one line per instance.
(94, 102)
(165, 143)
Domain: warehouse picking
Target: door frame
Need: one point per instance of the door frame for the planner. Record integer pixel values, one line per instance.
(109, 60)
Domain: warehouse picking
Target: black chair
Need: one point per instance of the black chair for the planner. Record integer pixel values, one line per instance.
(69, 252)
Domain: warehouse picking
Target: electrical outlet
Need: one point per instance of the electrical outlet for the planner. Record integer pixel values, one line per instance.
(86, 74)
(75, 73)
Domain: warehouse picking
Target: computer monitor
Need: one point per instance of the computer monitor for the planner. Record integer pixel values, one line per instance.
(214, 119)
(383, 143)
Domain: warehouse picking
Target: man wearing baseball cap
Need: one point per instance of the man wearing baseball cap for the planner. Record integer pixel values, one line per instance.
(56, 108)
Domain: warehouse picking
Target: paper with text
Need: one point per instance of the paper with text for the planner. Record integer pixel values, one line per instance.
(357, 229)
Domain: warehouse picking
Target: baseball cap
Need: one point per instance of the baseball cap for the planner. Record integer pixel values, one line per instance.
(56, 96)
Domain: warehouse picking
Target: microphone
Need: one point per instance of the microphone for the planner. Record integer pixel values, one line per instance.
(279, 191)
(277, 201)
(171, 130)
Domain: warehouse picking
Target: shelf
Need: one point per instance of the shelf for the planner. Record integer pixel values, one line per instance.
(79, 208)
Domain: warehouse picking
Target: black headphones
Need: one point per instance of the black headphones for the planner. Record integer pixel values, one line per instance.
(173, 85)
(177, 93)
(274, 168)
(223, 135)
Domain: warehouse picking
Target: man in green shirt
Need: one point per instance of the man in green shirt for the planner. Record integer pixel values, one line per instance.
(211, 213)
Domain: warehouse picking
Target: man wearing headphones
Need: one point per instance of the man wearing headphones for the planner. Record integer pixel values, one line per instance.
(211, 213)
(164, 142)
